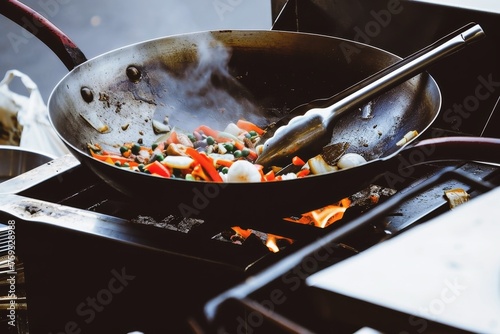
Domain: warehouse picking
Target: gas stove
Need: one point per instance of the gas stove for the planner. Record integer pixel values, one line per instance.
(94, 260)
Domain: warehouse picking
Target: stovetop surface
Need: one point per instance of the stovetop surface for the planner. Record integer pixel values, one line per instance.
(449, 267)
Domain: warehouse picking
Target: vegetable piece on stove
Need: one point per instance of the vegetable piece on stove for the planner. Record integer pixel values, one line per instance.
(456, 197)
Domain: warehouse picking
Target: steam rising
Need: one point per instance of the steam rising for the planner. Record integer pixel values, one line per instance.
(205, 92)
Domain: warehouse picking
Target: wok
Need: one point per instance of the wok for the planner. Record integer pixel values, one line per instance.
(217, 77)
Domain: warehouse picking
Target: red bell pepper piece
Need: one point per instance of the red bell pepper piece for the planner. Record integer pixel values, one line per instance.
(298, 161)
(157, 168)
(205, 162)
(303, 172)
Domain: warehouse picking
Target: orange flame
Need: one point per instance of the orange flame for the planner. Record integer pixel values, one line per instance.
(244, 233)
(271, 244)
(320, 218)
(325, 216)
(270, 239)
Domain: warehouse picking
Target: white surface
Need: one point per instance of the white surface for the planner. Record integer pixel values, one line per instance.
(482, 5)
(446, 270)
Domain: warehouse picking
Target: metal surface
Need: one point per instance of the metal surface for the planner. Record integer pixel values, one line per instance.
(35, 169)
(310, 131)
(95, 224)
(16, 161)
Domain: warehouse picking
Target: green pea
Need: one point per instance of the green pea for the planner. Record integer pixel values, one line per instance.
(245, 152)
(136, 148)
(237, 154)
(252, 133)
(210, 140)
(126, 164)
(224, 170)
(155, 145)
(118, 164)
(123, 149)
(191, 137)
(229, 147)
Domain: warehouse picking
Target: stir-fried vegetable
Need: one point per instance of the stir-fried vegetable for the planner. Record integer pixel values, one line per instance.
(208, 154)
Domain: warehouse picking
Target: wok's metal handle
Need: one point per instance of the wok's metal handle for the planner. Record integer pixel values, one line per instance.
(45, 31)
(403, 70)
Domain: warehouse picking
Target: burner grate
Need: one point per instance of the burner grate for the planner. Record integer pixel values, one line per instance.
(220, 314)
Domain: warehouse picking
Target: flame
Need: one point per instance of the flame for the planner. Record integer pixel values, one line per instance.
(320, 218)
(325, 216)
(270, 240)
(271, 244)
(243, 233)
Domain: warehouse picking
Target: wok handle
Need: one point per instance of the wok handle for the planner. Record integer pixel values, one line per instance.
(457, 148)
(405, 69)
(45, 31)
(461, 148)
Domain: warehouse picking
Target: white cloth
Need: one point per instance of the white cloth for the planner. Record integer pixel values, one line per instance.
(32, 114)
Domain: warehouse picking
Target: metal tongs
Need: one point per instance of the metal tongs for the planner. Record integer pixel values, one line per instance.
(311, 130)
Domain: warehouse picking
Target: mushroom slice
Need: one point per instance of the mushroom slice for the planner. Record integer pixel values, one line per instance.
(333, 152)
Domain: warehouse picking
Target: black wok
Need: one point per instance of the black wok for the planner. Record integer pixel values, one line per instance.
(266, 74)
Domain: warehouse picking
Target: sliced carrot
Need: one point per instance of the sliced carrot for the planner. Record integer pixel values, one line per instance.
(224, 163)
(249, 126)
(110, 158)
